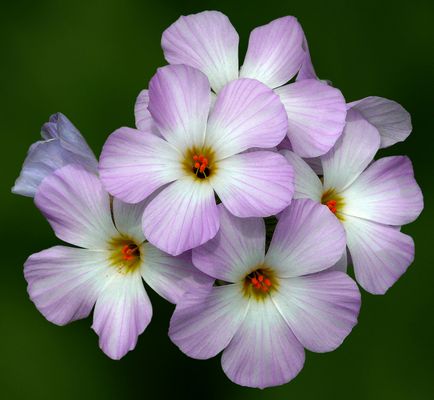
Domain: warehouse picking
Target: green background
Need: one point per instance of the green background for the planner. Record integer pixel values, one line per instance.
(89, 60)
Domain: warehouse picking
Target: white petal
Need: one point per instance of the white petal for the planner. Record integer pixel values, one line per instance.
(386, 192)
(321, 309)
(171, 277)
(264, 352)
(308, 238)
(206, 41)
(128, 219)
(179, 102)
(316, 116)
(205, 321)
(380, 253)
(122, 312)
(182, 216)
(390, 118)
(352, 153)
(235, 251)
(77, 207)
(246, 114)
(64, 282)
(307, 183)
(254, 184)
(275, 52)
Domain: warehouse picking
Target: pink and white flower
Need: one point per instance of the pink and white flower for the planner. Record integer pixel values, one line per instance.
(269, 307)
(371, 199)
(107, 268)
(188, 151)
(209, 42)
(62, 144)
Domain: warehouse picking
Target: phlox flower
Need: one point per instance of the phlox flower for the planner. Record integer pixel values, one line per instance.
(371, 199)
(62, 144)
(265, 309)
(209, 42)
(190, 150)
(105, 271)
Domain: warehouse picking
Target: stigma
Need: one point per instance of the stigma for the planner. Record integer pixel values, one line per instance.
(259, 282)
(125, 255)
(200, 165)
(334, 202)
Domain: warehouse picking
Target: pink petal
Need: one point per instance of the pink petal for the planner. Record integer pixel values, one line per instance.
(264, 352)
(275, 52)
(235, 251)
(255, 184)
(133, 164)
(122, 312)
(172, 277)
(352, 153)
(386, 192)
(142, 115)
(77, 207)
(205, 321)
(183, 216)
(64, 282)
(307, 183)
(308, 238)
(316, 116)
(380, 253)
(321, 309)
(390, 118)
(179, 102)
(206, 41)
(246, 114)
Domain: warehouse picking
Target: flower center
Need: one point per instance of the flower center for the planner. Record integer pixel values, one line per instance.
(199, 162)
(125, 255)
(259, 282)
(334, 202)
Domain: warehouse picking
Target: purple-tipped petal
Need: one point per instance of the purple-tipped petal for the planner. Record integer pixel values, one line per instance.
(179, 102)
(122, 312)
(275, 52)
(352, 153)
(235, 251)
(390, 118)
(321, 309)
(316, 116)
(205, 321)
(246, 114)
(182, 216)
(255, 184)
(264, 352)
(206, 41)
(77, 207)
(64, 282)
(380, 253)
(307, 184)
(63, 145)
(308, 238)
(133, 164)
(386, 193)
(172, 277)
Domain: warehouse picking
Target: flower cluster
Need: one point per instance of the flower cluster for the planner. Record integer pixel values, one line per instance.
(180, 202)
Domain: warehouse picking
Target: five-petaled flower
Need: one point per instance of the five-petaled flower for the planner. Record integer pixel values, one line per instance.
(107, 268)
(276, 52)
(270, 306)
(192, 149)
(371, 199)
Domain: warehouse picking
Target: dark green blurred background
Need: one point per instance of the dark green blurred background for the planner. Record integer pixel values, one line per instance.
(89, 60)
